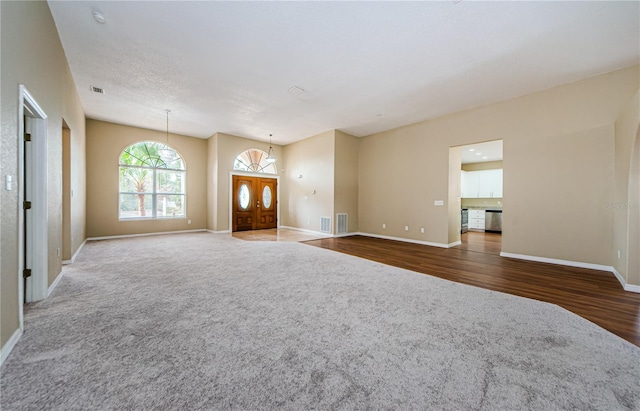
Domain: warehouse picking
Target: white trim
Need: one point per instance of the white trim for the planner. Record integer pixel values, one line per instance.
(345, 234)
(632, 288)
(75, 255)
(8, 347)
(55, 282)
(454, 244)
(37, 284)
(619, 276)
(568, 263)
(590, 266)
(219, 232)
(304, 230)
(406, 240)
(111, 237)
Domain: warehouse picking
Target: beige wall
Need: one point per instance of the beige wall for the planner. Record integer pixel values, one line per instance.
(105, 143)
(32, 55)
(212, 182)
(624, 206)
(453, 202)
(223, 150)
(558, 169)
(313, 159)
(346, 179)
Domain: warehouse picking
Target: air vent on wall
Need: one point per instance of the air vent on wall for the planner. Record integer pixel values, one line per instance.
(343, 223)
(325, 224)
(97, 90)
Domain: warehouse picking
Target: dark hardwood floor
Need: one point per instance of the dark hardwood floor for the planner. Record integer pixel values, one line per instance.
(594, 295)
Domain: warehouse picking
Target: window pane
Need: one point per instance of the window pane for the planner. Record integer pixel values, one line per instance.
(170, 206)
(136, 205)
(136, 180)
(254, 160)
(243, 196)
(266, 197)
(170, 181)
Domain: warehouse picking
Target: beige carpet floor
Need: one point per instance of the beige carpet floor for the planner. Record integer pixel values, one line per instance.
(206, 321)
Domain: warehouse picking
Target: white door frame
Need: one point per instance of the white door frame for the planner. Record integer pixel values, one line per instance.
(36, 124)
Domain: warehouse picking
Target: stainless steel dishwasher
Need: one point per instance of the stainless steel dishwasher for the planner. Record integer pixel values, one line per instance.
(493, 221)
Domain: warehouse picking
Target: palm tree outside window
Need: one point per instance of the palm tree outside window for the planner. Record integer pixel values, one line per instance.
(152, 182)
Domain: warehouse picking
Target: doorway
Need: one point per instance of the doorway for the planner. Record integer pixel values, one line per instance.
(32, 197)
(476, 192)
(254, 203)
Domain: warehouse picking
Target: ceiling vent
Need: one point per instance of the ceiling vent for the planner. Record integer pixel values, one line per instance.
(295, 91)
(97, 90)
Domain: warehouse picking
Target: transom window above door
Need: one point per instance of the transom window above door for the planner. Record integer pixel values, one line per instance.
(255, 161)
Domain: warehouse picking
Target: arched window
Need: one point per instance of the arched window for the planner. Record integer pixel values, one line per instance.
(256, 161)
(152, 182)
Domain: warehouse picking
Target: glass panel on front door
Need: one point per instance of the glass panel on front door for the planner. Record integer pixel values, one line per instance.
(243, 196)
(266, 197)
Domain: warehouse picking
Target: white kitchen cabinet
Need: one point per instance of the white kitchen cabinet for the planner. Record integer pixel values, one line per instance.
(481, 184)
(476, 219)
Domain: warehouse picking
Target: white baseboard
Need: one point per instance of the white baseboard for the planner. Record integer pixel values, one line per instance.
(406, 240)
(219, 232)
(55, 282)
(632, 288)
(75, 255)
(111, 237)
(455, 243)
(8, 347)
(623, 282)
(319, 233)
(345, 235)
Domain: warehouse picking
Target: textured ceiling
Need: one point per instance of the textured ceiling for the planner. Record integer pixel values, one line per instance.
(364, 67)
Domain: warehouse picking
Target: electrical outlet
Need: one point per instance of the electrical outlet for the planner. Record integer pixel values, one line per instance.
(188, 221)
(58, 251)
(384, 226)
(422, 230)
(406, 228)
(618, 254)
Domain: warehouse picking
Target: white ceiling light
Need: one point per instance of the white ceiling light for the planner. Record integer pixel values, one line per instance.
(99, 17)
(270, 157)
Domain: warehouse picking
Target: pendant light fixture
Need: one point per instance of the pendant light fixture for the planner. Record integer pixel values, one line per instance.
(270, 157)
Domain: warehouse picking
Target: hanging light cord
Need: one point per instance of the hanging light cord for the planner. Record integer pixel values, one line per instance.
(168, 111)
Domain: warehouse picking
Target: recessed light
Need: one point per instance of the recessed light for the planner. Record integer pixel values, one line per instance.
(484, 158)
(478, 154)
(99, 17)
(472, 149)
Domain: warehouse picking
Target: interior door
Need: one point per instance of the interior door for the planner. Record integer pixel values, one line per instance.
(266, 207)
(255, 203)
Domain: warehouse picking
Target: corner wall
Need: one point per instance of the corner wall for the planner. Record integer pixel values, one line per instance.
(558, 144)
(308, 182)
(105, 143)
(222, 151)
(33, 55)
(346, 179)
(624, 206)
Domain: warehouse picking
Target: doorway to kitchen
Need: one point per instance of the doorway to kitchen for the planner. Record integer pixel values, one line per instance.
(480, 196)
